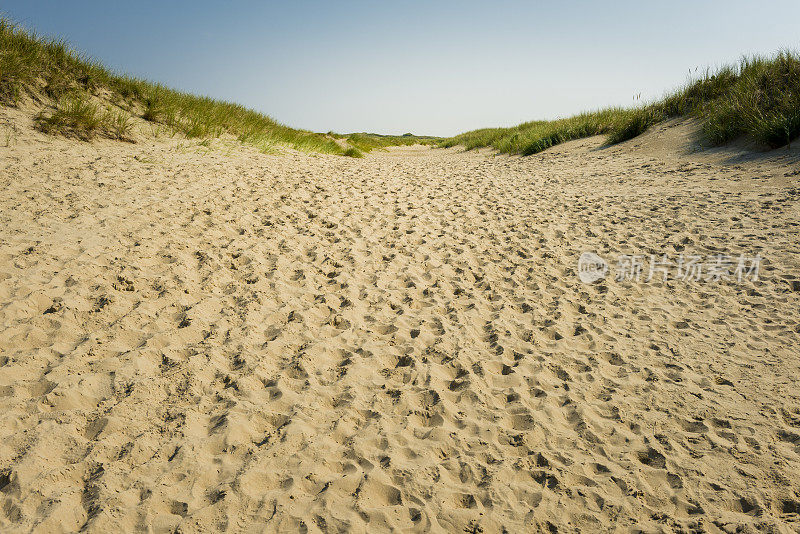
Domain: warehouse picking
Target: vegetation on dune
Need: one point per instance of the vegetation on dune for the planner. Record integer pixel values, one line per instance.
(353, 153)
(759, 98)
(535, 136)
(82, 98)
(366, 142)
(78, 117)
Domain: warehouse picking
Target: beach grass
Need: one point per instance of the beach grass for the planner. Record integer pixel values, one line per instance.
(88, 100)
(759, 99)
(367, 142)
(72, 116)
(77, 116)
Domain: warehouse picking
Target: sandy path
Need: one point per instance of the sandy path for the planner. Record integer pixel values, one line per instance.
(219, 339)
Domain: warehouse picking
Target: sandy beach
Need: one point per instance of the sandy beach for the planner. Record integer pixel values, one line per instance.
(198, 336)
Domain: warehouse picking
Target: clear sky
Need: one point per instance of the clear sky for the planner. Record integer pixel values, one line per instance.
(427, 67)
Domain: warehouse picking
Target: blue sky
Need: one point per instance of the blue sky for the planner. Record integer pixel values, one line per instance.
(424, 67)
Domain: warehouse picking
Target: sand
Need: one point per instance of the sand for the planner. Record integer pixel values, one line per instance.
(209, 338)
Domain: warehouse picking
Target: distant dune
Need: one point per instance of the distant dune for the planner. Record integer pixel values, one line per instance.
(77, 97)
(759, 99)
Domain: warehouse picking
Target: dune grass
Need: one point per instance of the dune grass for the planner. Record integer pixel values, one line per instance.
(353, 153)
(367, 142)
(535, 136)
(759, 98)
(72, 115)
(76, 116)
(82, 98)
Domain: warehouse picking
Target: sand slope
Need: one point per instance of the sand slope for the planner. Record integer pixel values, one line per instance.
(216, 339)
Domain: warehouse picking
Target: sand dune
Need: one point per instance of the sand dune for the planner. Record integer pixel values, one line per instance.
(200, 338)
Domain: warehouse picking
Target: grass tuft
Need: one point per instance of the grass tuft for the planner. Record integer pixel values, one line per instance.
(118, 125)
(74, 116)
(353, 153)
(77, 116)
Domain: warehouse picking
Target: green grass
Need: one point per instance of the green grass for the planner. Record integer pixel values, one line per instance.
(73, 116)
(367, 142)
(353, 153)
(118, 125)
(77, 116)
(758, 99)
(88, 100)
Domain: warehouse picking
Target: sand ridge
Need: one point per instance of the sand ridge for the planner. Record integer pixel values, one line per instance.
(212, 338)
